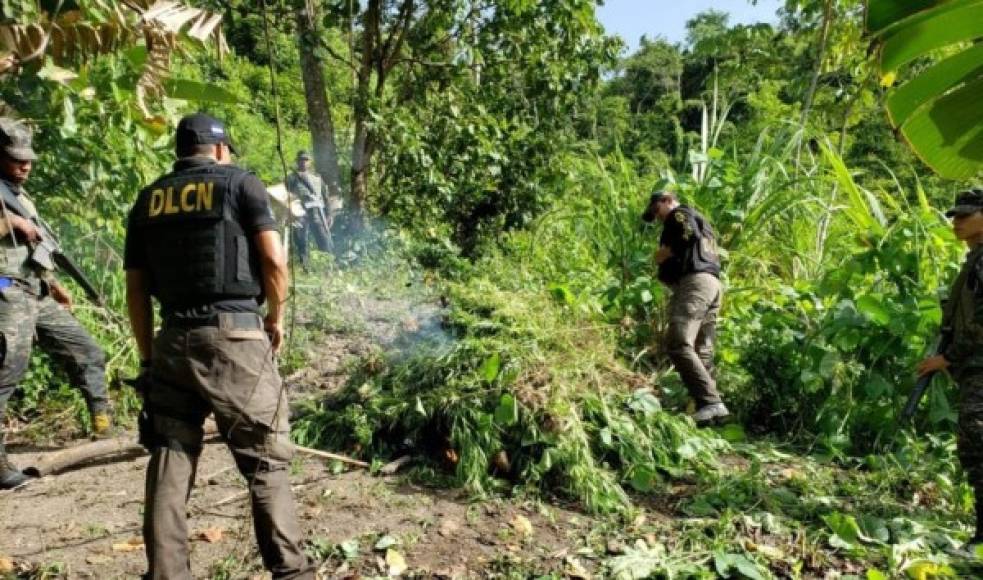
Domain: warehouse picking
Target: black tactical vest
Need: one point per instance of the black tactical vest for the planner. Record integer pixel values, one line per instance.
(197, 252)
(700, 255)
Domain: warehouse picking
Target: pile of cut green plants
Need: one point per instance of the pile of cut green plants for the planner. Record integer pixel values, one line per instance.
(524, 392)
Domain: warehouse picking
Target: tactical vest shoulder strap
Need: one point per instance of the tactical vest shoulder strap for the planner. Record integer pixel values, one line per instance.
(12, 202)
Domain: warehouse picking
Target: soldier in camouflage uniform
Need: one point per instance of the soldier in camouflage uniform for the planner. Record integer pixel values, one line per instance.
(963, 358)
(690, 267)
(312, 192)
(32, 302)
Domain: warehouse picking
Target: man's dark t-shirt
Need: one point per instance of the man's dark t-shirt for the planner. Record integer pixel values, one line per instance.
(250, 205)
(694, 248)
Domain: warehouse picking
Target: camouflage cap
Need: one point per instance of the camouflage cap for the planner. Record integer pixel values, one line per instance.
(15, 139)
(303, 155)
(967, 202)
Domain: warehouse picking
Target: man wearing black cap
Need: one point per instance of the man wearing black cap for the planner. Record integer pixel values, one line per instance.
(33, 303)
(202, 241)
(312, 192)
(962, 316)
(689, 266)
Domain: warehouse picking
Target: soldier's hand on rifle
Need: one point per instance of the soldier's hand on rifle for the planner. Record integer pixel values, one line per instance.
(932, 364)
(25, 228)
(60, 294)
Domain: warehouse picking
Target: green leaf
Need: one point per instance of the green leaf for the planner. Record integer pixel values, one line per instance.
(644, 402)
(949, 23)
(937, 111)
(948, 133)
(643, 478)
(507, 412)
(727, 565)
(56, 74)
(491, 367)
(189, 90)
(874, 309)
(732, 433)
(880, 15)
(846, 531)
(944, 75)
(561, 294)
(385, 542)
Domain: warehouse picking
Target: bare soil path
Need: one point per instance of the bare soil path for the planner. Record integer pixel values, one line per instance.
(86, 523)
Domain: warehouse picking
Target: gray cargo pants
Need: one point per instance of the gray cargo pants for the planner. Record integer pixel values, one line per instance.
(227, 370)
(693, 309)
(24, 315)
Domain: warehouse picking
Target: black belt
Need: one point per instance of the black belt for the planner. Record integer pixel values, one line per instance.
(229, 320)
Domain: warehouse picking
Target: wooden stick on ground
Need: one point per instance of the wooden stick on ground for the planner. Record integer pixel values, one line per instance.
(334, 456)
(125, 447)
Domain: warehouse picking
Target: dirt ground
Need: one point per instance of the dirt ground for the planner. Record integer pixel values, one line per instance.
(86, 523)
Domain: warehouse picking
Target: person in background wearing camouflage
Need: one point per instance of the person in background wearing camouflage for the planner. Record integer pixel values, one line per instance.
(963, 358)
(689, 266)
(33, 303)
(312, 192)
(202, 240)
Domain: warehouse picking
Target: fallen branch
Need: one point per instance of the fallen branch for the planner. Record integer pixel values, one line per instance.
(121, 448)
(334, 456)
(117, 448)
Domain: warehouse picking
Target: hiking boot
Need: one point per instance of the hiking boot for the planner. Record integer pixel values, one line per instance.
(102, 424)
(712, 413)
(10, 476)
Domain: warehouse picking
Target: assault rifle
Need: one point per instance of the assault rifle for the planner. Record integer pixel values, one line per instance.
(945, 337)
(48, 253)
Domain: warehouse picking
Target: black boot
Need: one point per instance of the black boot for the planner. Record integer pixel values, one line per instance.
(10, 476)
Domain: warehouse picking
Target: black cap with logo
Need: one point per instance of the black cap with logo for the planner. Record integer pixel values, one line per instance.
(201, 129)
(967, 202)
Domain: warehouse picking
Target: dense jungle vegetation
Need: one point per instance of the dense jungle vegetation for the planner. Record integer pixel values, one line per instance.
(500, 153)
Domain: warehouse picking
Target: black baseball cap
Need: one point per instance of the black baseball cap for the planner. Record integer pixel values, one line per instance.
(201, 129)
(967, 202)
(655, 198)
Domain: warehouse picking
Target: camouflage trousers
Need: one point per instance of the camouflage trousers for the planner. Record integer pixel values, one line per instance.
(24, 317)
(970, 433)
(311, 226)
(693, 309)
(227, 370)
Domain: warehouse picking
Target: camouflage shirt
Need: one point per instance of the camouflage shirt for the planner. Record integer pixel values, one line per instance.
(963, 314)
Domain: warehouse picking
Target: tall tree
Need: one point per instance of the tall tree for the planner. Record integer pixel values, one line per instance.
(320, 120)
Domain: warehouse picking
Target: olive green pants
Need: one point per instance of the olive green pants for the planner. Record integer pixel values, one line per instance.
(693, 309)
(230, 372)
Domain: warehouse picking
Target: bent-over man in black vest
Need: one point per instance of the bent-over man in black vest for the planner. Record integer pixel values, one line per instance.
(690, 267)
(202, 241)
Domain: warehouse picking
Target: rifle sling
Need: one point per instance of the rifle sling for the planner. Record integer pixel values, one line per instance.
(12, 202)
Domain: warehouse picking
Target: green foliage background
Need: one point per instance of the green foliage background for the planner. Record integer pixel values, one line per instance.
(513, 166)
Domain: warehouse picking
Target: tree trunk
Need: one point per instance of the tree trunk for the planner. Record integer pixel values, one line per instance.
(319, 119)
(361, 143)
(828, 17)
